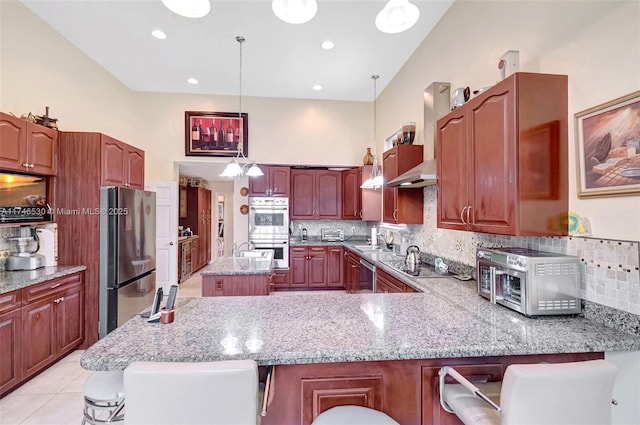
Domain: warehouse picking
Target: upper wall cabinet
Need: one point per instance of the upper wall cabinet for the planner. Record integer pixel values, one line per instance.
(502, 159)
(274, 182)
(402, 206)
(316, 194)
(352, 194)
(122, 164)
(27, 147)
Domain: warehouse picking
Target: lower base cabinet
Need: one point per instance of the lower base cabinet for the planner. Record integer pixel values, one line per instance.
(39, 324)
(235, 285)
(406, 390)
(385, 283)
(280, 279)
(351, 272)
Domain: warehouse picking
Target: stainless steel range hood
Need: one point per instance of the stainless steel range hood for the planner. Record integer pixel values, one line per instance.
(436, 104)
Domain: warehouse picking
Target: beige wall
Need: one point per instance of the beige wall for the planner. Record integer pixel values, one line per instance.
(596, 43)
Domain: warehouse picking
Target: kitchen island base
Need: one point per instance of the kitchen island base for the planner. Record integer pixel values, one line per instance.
(406, 390)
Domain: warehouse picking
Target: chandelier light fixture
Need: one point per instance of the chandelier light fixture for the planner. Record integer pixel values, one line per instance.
(233, 168)
(295, 11)
(188, 8)
(375, 180)
(397, 16)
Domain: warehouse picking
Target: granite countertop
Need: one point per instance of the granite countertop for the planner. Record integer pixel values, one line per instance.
(447, 320)
(242, 265)
(13, 280)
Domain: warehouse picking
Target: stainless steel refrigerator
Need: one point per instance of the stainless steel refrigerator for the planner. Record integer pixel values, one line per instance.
(127, 254)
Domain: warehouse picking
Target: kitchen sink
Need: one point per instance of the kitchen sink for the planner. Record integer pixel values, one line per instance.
(253, 254)
(368, 248)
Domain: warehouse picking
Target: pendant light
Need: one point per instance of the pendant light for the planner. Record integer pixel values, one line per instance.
(375, 180)
(233, 168)
(188, 8)
(295, 11)
(397, 16)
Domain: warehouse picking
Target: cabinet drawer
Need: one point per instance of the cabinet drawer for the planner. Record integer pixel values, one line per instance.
(10, 301)
(50, 287)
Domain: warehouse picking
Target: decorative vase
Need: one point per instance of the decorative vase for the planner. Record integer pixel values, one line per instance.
(368, 158)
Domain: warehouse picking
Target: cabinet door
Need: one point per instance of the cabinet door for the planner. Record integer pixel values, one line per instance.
(352, 273)
(387, 283)
(453, 170)
(390, 194)
(317, 270)
(493, 161)
(279, 181)
(302, 194)
(69, 316)
(135, 168)
(335, 266)
(298, 265)
(328, 194)
(351, 194)
(259, 186)
(113, 162)
(13, 143)
(370, 199)
(38, 336)
(42, 149)
(10, 349)
(280, 279)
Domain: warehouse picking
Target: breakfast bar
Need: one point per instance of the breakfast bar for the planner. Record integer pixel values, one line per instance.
(343, 348)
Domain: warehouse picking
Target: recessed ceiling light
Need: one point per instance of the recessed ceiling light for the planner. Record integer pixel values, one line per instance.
(192, 81)
(317, 87)
(188, 8)
(327, 45)
(159, 34)
(294, 12)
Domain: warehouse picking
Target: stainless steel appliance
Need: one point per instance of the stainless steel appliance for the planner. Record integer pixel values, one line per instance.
(26, 257)
(534, 283)
(280, 251)
(331, 235)
(419, 270)
(367, 276)
(268, 218)
(127, 254)
(269, 227)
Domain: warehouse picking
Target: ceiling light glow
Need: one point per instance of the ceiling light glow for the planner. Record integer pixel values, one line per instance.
(327, 45)
(397, 16)
(295, 11)
(159, 34)
(188, 8)
(192, 81)
(317, 87)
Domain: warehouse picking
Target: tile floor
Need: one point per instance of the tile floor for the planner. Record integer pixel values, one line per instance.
(55, 397)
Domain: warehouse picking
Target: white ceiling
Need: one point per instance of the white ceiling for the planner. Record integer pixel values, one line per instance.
(280, 59)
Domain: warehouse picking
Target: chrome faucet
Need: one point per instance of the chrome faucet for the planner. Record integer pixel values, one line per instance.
(384, 239)
(237, 246)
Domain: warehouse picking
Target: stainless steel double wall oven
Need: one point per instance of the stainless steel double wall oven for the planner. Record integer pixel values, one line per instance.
(269, 227)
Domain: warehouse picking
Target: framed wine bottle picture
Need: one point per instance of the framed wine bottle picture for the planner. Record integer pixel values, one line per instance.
(216, 133)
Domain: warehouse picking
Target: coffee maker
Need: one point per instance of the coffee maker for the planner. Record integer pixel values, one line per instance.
(26, 258)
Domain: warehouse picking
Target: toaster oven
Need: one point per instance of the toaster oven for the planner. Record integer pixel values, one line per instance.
(534, 283)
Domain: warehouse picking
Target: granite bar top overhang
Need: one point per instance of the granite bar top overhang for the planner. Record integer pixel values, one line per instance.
(448, 320)
(14, 280)
(239, 265)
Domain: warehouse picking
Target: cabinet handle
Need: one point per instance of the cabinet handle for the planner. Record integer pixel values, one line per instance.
(468, 212)
(55, 286)
(462, 215)
(395, 214)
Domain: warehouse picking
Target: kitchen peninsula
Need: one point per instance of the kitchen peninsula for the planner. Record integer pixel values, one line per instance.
(380, 350)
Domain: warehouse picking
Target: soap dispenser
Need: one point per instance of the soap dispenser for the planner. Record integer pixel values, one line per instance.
(304, 234)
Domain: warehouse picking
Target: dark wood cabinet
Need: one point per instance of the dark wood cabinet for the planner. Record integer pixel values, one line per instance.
(351, 272)
(503, 159)
(122, 164)
(87, 161)
(386, 283)
(274, 182)
(352, 194)
(316, 194)
(280, 279)
(39, 325)
(238, 285)
(307, 267)
(402, 206)
(335, 266)
(27, 147)
(370, 199)
(199, 221)
(10, 340)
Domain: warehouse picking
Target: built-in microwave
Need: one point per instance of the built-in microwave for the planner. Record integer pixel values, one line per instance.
(23, 198)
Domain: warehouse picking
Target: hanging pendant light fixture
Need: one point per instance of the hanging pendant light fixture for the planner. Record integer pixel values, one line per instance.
(233, 168)
(188, 8)
(295, 11)
(375, 180)
(397, 16)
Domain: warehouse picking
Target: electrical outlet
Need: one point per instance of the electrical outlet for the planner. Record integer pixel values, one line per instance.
(5, 253)
(353, 230)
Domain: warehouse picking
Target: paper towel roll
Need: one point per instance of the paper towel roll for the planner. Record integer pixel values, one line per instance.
(374, 236)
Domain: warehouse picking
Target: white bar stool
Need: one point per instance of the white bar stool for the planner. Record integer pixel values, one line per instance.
(353, 415)
(103, 394)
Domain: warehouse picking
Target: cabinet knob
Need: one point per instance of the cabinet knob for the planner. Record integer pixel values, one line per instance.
(171, 243)
(59, 300)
